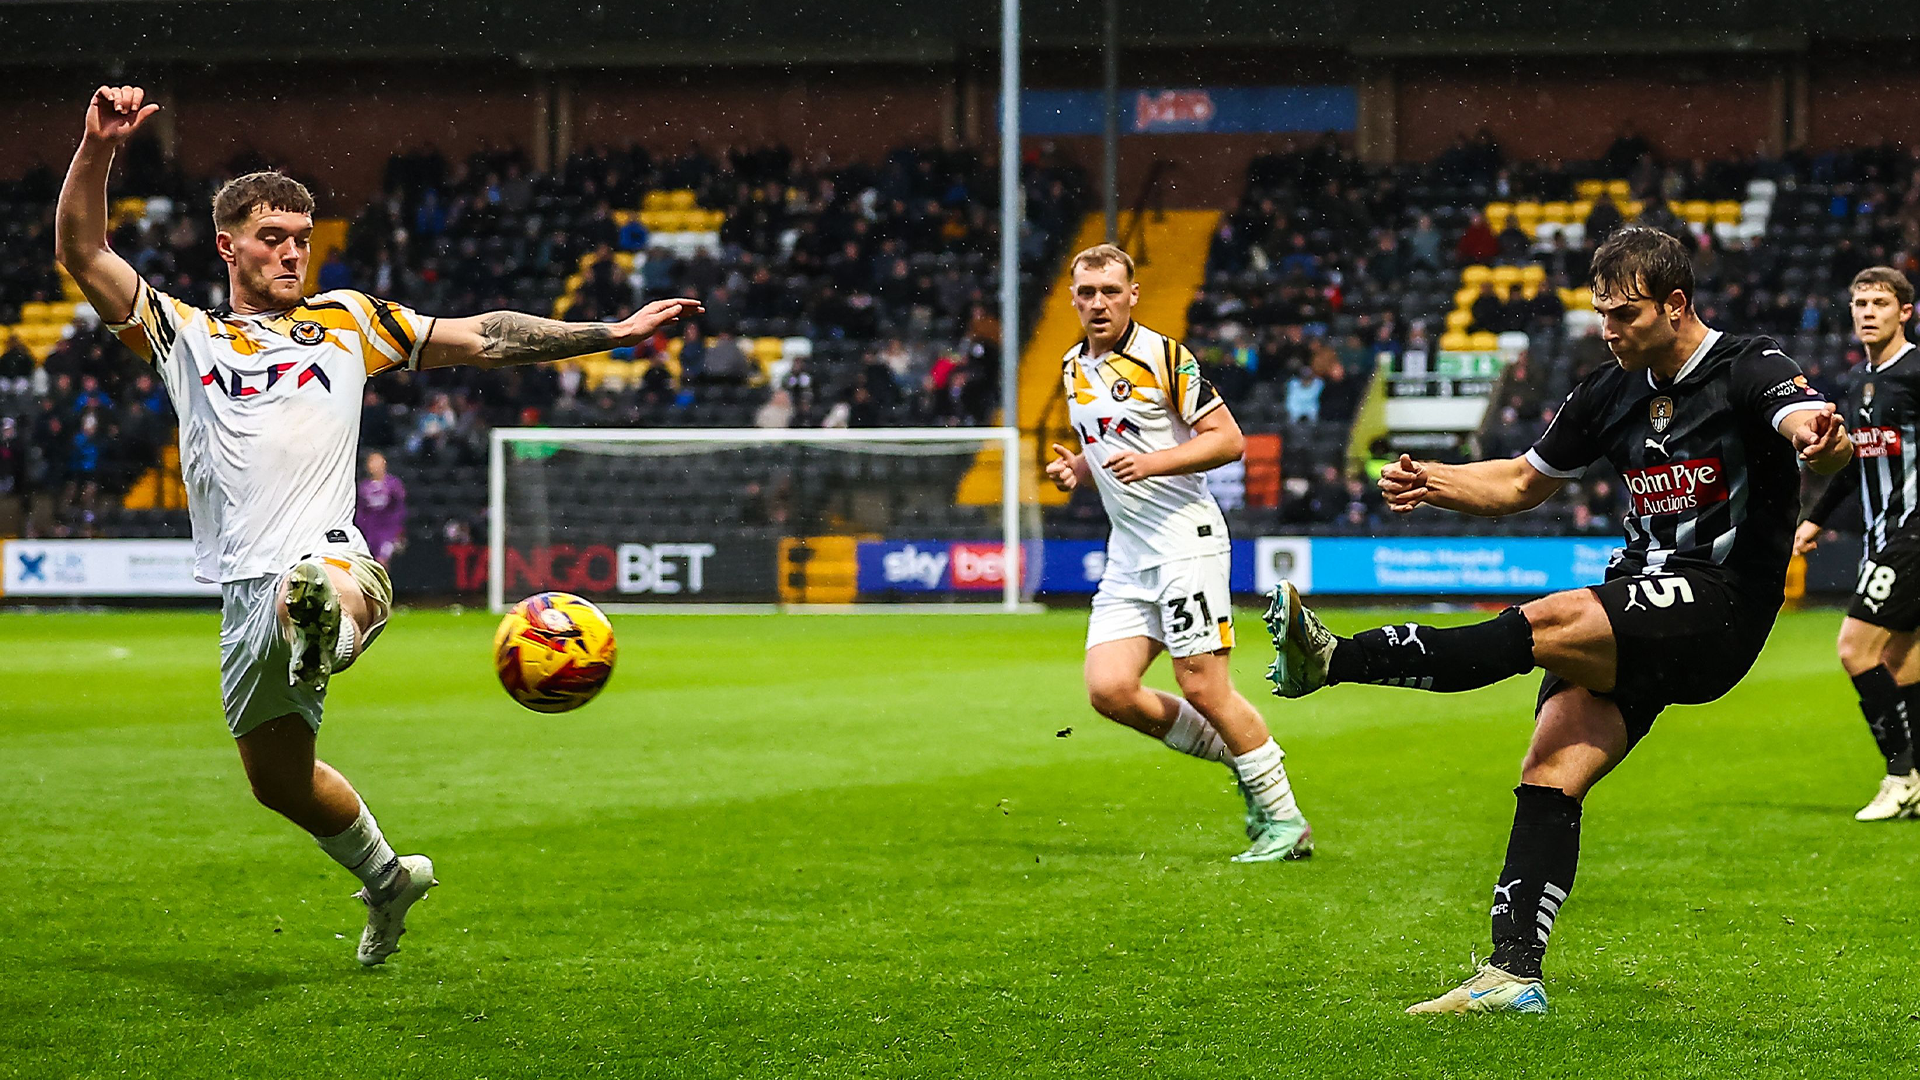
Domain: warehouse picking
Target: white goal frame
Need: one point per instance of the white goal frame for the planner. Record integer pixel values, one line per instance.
(1007, 438)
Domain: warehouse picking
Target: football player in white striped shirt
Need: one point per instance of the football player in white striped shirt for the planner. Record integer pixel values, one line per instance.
(1149, 425)
(268, 388)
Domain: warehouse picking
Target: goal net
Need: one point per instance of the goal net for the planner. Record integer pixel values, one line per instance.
(665, 519)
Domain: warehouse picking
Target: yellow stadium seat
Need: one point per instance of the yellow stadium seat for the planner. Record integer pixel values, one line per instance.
(1699, 211)
(1497, 215)
(1465, 297)
(1726, 213)
(1631, 209)
(681, 199)
(1618, 190)
(1456, 341)
(1458, 320)
(1475, 274)
(654, 200)
(673, 351)
(1557, 212)
(33, 312)
(1589, 190)
(1533, 274)
(766, 350)
(1573, 297)
(1582, 209)
(1505, 276)
(1526, 212)
(1484, 341)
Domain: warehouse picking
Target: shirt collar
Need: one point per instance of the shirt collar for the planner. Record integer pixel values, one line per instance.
(1706, 346)
(1891, 360)
(1119, 347)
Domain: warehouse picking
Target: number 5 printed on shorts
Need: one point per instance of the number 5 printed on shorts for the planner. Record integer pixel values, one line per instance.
(1661, 592)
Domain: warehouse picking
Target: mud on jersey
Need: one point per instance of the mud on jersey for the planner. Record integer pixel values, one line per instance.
(1145, 395)
(269, 409)
(1709, 480)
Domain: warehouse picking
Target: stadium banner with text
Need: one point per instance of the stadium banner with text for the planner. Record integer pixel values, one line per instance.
(888, 567)
(1505, 565)
(104, 568)
(1214, 110)
(941, 566)
(664, 571)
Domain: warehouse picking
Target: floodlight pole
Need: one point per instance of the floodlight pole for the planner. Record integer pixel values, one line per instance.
(1110, 132)
(1010, 216)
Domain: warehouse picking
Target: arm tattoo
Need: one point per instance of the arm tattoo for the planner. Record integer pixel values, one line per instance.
(509, 337)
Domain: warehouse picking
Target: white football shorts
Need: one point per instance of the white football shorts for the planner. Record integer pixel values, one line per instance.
(1184, 604)
(255, 651)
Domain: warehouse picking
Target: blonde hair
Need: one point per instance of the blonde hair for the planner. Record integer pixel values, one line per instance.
(1100, 255)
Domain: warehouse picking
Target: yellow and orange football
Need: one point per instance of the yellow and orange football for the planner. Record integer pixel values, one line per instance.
(554, 651)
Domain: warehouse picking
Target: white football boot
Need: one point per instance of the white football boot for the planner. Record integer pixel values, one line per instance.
(313, 623)
(387, 920)
(1490, 990)
(1303, 646)
(1898, 797)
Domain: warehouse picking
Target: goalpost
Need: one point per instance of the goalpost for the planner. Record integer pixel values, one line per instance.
(758, 520)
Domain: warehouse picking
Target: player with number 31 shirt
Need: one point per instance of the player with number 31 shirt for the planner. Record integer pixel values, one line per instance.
(1149, 425)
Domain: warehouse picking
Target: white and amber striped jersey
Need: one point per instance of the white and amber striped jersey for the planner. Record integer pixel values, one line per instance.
(269, 409)
(1144, 396)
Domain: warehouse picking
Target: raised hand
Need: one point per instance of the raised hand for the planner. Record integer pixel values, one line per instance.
(116, 112)
(644, 322)
(1404, 483)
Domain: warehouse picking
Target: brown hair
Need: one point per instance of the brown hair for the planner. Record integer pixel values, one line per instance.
(242, 195)
(1639, 262)
(1100, 255)
(1885, 277)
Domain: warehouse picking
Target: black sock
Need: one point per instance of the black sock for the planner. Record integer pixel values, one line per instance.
(1884, 705)
(1910, 702)
(1430, 658)
(1542, 854)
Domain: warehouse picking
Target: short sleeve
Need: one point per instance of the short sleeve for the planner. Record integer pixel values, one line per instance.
(1771, 387)
(153, 325)
(393, 334)
(1568, 445)
(1190, 393)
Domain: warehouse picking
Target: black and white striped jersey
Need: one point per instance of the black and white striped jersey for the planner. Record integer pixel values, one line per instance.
(1710, 482)
(1882, 412)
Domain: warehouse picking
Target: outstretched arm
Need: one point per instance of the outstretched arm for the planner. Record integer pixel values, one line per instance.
(1482, 488)
(80, 220)
(1820, 437)
(500, 338)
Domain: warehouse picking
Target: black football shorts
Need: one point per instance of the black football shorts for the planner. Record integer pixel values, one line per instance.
(1684, 637)
(1887, 593)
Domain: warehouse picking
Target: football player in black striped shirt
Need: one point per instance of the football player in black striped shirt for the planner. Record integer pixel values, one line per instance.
(1877, 637)
(1707, 431)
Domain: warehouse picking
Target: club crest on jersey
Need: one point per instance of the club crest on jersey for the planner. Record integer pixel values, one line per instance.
(1660, 413)
(307, 333)
(1122, 390)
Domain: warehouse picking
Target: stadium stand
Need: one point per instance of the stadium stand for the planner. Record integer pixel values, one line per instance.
(859, 294)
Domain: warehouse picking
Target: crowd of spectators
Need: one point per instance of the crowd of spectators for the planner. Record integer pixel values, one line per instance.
(885, 271)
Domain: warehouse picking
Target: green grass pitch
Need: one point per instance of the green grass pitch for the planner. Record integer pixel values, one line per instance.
(809, 846)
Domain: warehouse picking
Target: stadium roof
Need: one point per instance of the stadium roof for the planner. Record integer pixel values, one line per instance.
(569, 33)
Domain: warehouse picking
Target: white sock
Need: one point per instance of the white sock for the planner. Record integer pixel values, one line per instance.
(343, 649)
(1192, 735)
(1264, 772)
(364, 851)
